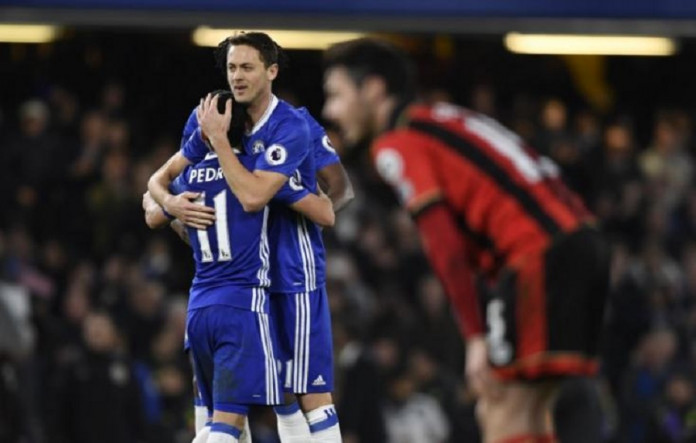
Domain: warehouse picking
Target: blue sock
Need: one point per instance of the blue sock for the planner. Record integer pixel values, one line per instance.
(223, 432)
(322, 418)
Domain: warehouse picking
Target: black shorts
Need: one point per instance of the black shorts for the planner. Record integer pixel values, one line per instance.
(544, 316)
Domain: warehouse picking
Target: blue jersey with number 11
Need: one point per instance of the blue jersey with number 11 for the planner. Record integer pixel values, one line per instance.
(231, 256)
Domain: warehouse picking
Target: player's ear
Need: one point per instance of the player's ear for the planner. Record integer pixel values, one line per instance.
(272, 71)
(373, 88)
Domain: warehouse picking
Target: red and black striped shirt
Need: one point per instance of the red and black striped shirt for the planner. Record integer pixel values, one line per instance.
(509, 201)
(503, 201)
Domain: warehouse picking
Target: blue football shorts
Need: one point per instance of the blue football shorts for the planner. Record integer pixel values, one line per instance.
(305, 348)
(233, 358)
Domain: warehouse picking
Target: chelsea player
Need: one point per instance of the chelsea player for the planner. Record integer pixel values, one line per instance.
(299, 305)
(251, 64)
(300, 302)
(228, 329)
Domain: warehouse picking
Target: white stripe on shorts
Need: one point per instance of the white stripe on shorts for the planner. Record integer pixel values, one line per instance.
(302, 330)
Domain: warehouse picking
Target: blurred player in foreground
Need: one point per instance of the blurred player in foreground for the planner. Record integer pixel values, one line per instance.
(485, 203)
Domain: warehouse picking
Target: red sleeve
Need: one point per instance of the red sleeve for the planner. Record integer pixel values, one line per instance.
(402, 160)
(446, 251)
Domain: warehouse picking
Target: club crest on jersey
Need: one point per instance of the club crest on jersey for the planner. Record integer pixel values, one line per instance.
(258, 147)
(276, 155)
(390, 165)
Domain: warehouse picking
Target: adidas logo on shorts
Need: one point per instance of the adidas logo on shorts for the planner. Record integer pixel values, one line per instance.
(319, 381)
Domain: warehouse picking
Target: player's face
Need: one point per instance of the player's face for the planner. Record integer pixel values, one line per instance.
(346, 106)
(247, 75)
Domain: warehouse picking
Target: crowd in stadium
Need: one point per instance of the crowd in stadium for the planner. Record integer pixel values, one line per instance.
(93, 304)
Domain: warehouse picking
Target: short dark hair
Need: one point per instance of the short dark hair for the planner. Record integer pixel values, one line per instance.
(270, 51)
(365, 57)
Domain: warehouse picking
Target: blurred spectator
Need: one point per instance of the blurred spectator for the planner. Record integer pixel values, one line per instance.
(665, 163)
(437, 329)
(37, 167)
(97, 397)
(644, 385)
(676, 418)
(449, 391)
(362, 394)
(412, 417)
(483, 100)
(553, 130)
(65, 108)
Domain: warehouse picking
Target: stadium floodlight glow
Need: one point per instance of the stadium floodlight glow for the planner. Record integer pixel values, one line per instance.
(17, 33)
(589, 44)
(205, 36)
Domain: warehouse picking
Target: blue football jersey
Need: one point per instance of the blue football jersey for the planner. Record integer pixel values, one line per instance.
(190, 127)
(324, 153)
(297, 250)
(232, 256)
(281, 135)
(298, 258)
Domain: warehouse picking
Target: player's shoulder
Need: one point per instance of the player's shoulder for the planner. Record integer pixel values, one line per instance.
(191, 122)
(314, 126)
(406, 132)
(284, 112)
(390, 153)
(286, 120)
(397, 139)
(439, 112)
(192, 114)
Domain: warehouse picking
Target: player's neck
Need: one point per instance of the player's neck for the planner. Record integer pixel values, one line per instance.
(257, 108)
(383, 114)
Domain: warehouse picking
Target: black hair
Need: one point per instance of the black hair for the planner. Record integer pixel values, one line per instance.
(366, 57)
(239, 116)
(269, 51)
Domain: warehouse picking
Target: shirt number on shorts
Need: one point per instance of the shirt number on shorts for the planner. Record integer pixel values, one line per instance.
(499, 350)
(221, 229)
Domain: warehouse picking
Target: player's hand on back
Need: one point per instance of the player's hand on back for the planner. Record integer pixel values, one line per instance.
(213, 124)
(184, 207)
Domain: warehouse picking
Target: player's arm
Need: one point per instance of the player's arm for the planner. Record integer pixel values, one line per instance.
(334, 180)
(403, 162)
(253, 189)
(446, 252)
(317, 208)
(180, 206)
(331, 175)
(192, 150)
(156, 218)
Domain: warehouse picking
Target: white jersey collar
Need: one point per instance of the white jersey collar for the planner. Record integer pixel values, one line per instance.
(266, 115)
